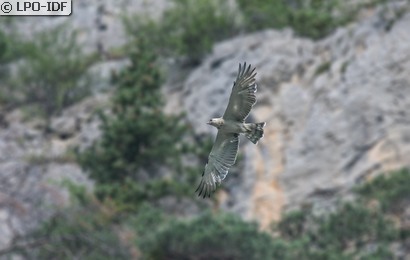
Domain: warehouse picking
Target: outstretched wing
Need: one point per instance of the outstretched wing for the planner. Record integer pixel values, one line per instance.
(221, 158)
(243, 94)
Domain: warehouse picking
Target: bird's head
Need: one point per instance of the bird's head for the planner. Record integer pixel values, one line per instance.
(217, 122)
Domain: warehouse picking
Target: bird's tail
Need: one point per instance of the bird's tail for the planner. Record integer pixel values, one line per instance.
(255, 131)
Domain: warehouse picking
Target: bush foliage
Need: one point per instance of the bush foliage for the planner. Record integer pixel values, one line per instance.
(138, 139)
(53, 75)
(11, 44)
(205, 237)
(11, 49)
(390, 190)
(49, 72)
(189, 28)
(80, 232)
(313, 19)
(7, 51)
(341, 235)
(353, 231)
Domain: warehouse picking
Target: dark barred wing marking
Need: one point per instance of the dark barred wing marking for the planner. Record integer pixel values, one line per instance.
(221, 158)
(243, 95)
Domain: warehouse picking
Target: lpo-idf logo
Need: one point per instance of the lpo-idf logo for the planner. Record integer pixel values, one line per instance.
(35, 7)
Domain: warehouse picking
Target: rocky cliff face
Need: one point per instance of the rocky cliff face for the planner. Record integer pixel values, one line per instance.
(33, 165)
(337, 113)
(99, 22)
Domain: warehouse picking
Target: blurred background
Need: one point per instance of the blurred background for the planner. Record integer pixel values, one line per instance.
(104, 139)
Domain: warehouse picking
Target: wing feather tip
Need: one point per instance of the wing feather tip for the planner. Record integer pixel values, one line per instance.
(204, 190)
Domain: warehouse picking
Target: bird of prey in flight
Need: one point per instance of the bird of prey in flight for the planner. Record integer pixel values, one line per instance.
(230, 125)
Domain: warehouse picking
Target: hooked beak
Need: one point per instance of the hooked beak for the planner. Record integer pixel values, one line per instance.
(209, 122)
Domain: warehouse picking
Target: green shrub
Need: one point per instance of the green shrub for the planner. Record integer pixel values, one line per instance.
(80, 232)
(205, 237)
(138, 139)
(392, 190)
(11, 48)
(53, 73)
(292, 226)
(189, 28)
(4, 50)
(265, 14)
(4, 47)
(352, 227)
(314, 19)
(87, 229)
(346, 233)
(352, 231)
(356, 230)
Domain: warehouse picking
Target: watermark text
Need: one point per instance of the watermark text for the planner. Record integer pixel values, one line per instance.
(35, 7)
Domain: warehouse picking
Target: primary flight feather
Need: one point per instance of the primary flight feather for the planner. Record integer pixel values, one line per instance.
(230, 125)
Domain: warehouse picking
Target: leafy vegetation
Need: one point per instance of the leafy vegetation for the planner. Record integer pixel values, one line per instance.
(7, 50)
(84, 231)
(45, 74)
(11, 48)
(313, 19)
(391, 191)
(341, 235)
(346, 231)
(205, 237)
(53, 73)
(138, 139)
(353, 231)
(322, 68)
(189, 28)
(11, 45)
(293, 224)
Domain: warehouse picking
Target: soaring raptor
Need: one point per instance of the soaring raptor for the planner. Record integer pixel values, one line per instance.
(230, 125)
